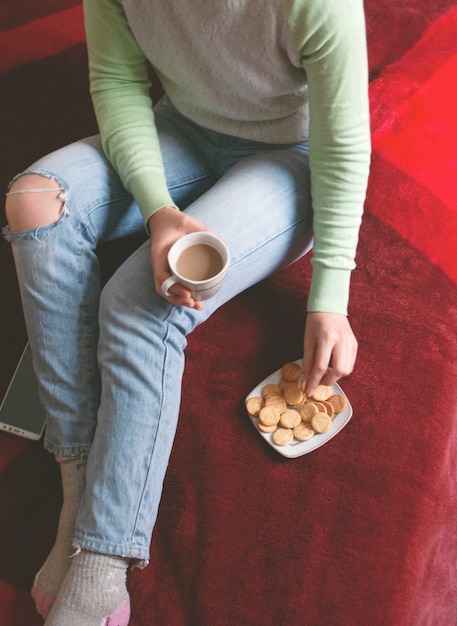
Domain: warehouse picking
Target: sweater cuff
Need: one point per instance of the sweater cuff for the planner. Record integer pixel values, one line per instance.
(150, 197)
(329, 292)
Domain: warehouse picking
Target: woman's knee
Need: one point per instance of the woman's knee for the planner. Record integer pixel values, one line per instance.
(33, 201)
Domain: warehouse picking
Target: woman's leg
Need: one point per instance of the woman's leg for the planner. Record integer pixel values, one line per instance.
(261, 208)
(48, 580)
(58, 211)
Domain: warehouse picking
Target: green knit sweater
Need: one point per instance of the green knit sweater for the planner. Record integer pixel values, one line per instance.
(277, 71)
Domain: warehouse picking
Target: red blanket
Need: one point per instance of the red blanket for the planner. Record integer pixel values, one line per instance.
(361, 531)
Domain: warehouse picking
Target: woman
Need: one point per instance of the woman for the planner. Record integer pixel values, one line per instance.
(262, 138)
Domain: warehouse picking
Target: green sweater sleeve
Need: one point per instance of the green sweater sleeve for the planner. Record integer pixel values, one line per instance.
(119, 84)
(330, 39)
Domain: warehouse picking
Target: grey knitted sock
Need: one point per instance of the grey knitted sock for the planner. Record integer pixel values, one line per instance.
(51, 575)
(94, 592)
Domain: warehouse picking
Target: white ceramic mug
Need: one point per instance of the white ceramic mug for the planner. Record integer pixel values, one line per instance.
(198, 261)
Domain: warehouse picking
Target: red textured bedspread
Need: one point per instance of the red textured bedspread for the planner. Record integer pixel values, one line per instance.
(361, 532)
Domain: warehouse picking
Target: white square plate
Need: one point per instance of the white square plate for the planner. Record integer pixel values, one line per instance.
(299, 448)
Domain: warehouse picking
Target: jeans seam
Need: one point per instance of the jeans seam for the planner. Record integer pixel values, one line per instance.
(268, 241)
(160, 413)
(191, 179)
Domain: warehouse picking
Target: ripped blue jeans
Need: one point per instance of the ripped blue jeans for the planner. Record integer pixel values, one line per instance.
(110, 361)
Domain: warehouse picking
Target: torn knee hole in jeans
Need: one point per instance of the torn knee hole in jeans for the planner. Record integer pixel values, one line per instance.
(18, 220)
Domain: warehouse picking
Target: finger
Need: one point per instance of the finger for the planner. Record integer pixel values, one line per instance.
(180, 296)
(319, 367)
(309, 350)
(334, 374)
(308, 360)
(343, 361)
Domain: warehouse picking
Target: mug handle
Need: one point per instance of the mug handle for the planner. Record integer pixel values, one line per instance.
(165, 286)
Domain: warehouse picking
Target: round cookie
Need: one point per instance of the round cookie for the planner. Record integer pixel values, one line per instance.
(308, 410)
(294, 397)
(283, 436)
(290, 419)
(329, 408)
(338, 401)
(266, 429)
(286, 384)
(321, 422)
(271, 390)
(276, 402)
(268, 416)
(253, 405)
(303, 432)
(322, 392)
(291, 371)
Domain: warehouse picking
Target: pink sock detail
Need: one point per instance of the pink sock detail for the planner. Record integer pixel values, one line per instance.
(122, 617)
(43, 601)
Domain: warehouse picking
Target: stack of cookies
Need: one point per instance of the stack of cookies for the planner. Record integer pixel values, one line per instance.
(285, 411)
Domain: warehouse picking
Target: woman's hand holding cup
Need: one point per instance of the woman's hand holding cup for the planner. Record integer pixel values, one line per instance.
(189, 262)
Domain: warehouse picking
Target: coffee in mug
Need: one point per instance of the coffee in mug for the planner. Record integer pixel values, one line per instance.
(198, 261)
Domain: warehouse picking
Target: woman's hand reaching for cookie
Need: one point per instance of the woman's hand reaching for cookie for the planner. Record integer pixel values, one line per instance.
(330, 349)
(167, 226)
